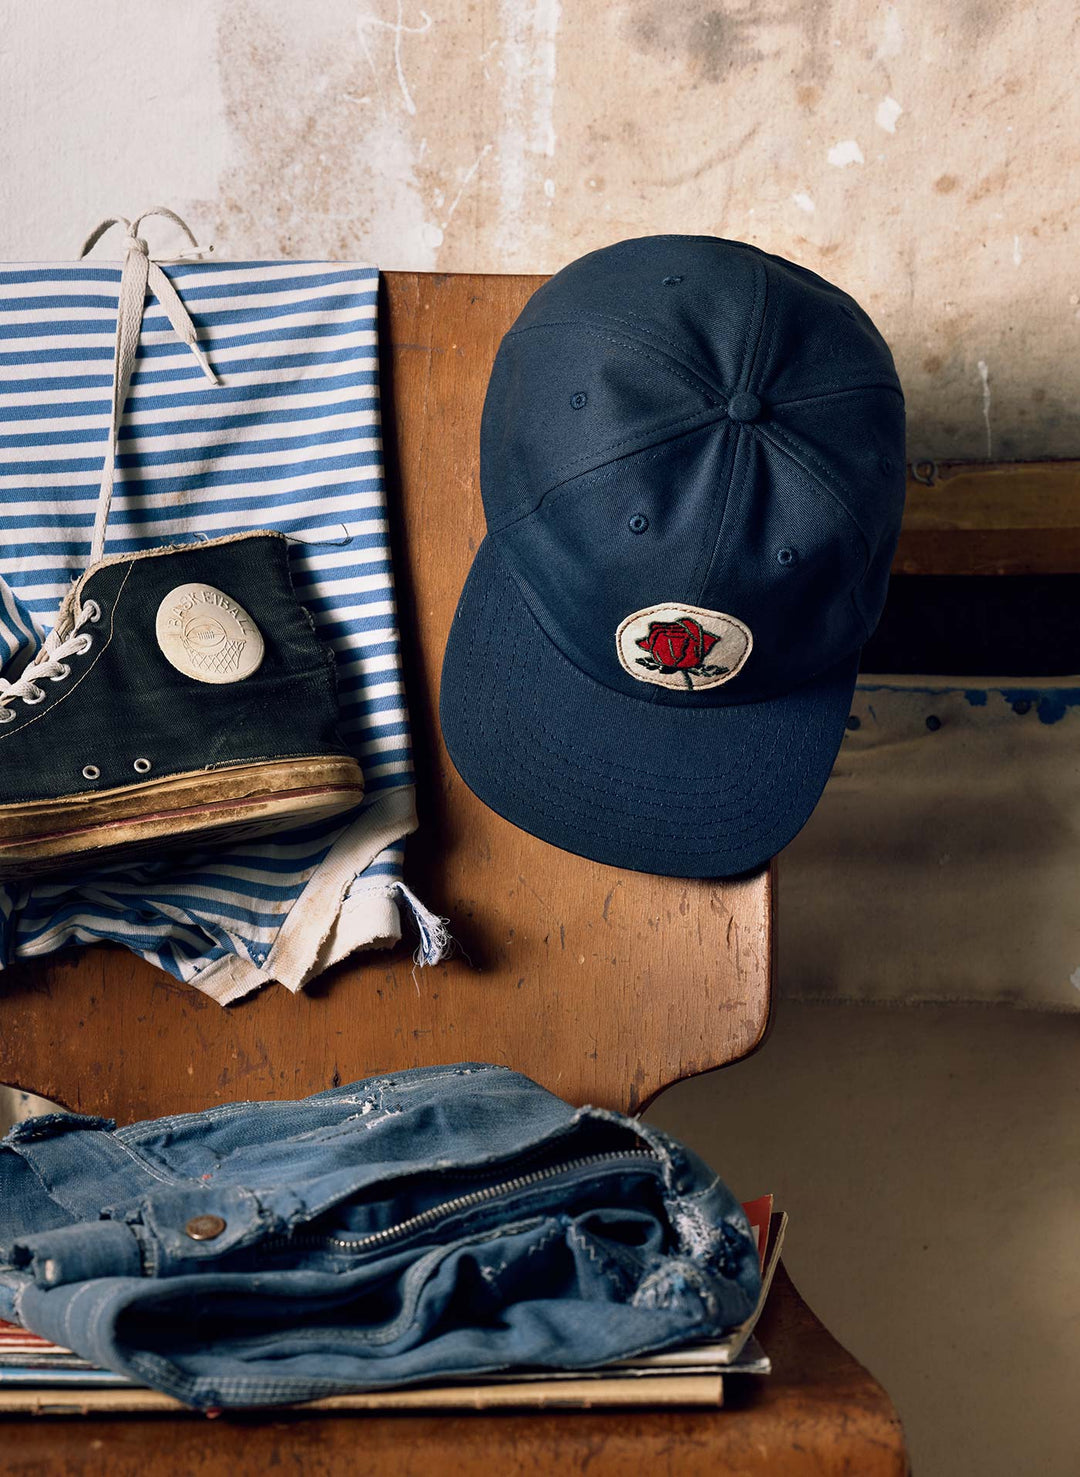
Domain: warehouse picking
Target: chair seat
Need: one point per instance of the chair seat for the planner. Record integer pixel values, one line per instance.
(819, 1413)
(606, 986)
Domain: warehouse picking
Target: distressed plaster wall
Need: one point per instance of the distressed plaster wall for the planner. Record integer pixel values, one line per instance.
(922, 154)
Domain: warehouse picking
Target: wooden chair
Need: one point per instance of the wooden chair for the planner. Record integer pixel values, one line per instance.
(606, 986)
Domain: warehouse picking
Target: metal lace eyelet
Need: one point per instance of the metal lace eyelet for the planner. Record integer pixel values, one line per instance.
(62, 671)
(7, 715)
(85, 643)
(91, 772)
(92, 611)
(141, 766)
(38, 695)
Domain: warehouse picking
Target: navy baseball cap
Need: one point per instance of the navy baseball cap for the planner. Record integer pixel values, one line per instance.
(692, 466)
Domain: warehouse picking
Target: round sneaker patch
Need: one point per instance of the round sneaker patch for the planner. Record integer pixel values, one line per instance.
(206, 635)
(682, 646)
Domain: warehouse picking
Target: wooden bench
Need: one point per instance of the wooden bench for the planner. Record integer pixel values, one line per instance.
(605, 985)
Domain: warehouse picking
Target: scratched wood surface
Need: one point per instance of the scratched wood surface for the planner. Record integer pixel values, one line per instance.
(603, 984)
(991, 518)
(818, 1415)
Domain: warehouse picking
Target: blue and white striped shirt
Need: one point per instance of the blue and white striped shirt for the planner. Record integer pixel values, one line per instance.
(290, 440)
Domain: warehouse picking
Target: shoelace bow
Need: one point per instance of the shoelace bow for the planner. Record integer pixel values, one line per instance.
(140, 273)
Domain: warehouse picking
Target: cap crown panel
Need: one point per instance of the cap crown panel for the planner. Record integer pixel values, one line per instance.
(566, 396)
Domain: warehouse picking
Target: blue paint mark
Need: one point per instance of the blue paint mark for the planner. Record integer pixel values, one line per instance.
(1051, 704)
(899, 687)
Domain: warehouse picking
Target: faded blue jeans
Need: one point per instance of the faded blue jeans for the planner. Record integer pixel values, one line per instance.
(433, 1224)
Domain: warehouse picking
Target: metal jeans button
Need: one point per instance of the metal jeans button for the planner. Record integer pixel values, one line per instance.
(204, 1227)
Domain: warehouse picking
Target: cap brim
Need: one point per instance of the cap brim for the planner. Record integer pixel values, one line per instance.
(679, 791)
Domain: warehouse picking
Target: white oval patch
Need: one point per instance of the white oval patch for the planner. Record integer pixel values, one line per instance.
(206, 635)
(682, 646)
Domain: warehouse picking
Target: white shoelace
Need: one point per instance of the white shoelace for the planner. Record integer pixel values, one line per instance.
(140, 273)
(50, 664)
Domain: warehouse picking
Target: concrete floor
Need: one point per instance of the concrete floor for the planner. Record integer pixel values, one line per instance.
(928, 1160)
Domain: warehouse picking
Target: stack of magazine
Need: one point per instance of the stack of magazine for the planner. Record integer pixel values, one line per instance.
(38, 1377)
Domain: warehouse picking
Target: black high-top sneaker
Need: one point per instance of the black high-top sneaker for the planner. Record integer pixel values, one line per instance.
(182, 695)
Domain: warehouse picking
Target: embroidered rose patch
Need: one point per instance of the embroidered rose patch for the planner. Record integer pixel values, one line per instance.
(682, 647)
(678, 646)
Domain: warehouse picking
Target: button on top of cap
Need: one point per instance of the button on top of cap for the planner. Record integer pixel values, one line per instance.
(743, 406)
(205, 1227)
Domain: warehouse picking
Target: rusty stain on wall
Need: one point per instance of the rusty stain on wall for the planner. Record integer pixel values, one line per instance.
(923, 155)
(890, 147)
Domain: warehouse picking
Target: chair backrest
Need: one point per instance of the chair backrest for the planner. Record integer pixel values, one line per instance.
(604, 985)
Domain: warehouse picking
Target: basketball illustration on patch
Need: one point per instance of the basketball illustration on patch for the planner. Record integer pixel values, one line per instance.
(683, 647)
(206, 635)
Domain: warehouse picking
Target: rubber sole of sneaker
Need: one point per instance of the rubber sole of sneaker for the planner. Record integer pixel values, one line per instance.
(179, 810)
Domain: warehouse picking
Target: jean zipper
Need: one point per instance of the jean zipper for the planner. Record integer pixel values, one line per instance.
(468, 1201)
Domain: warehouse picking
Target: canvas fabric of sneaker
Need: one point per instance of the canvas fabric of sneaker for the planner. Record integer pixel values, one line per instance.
(182, 697)
(288, 440)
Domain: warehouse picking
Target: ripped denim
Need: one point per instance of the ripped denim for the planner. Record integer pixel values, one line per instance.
(434, 1224)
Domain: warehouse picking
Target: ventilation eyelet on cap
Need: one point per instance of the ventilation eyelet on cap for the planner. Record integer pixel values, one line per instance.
(787, 557)
(579, 400)
(638, 523)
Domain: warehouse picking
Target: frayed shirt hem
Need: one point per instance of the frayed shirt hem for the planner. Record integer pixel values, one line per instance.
(324, 925)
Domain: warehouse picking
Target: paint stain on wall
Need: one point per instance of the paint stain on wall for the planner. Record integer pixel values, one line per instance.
(845, 152)
(887, 114)
(707, 41)
(323, 159)
(526, 134)
(513, 135)
(711, 42)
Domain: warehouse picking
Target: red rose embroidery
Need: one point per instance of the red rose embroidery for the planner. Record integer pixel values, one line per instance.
(679, 646)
